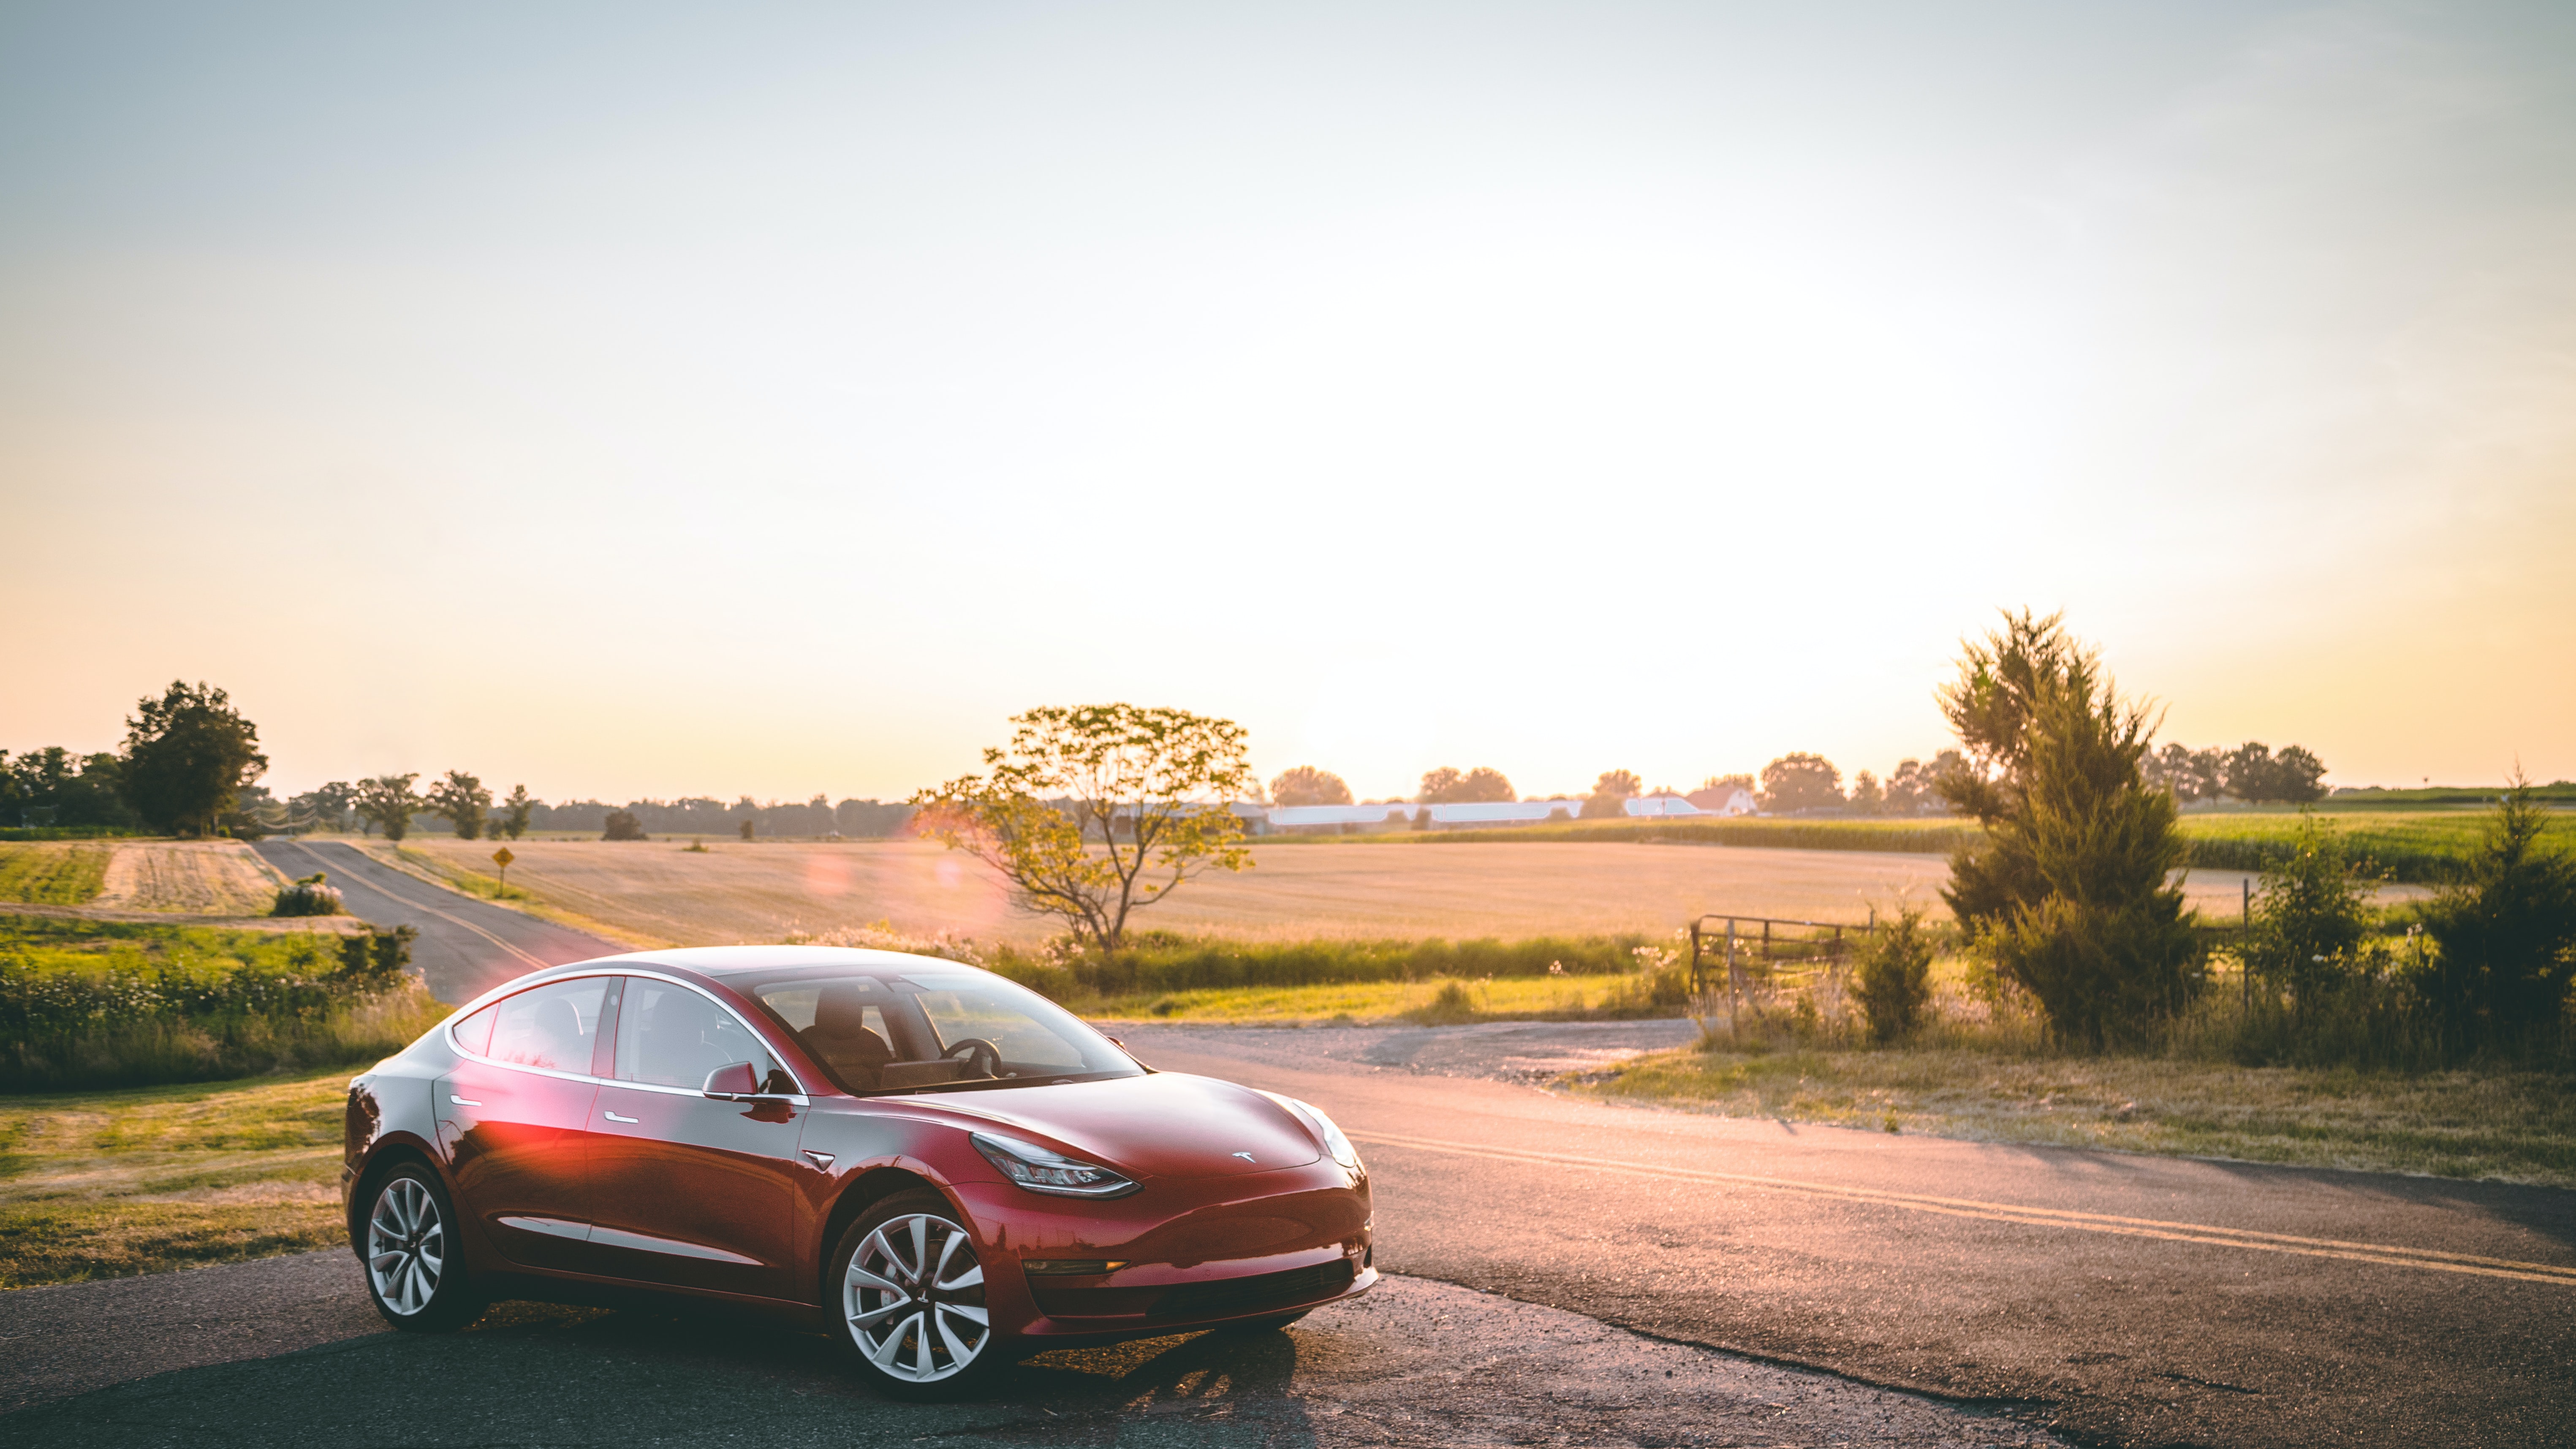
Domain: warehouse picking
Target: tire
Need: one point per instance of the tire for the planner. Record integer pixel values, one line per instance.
(408, 1247)
(907, 1292)
(1250, 1326)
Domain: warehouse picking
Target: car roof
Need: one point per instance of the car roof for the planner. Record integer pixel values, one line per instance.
(723, 961)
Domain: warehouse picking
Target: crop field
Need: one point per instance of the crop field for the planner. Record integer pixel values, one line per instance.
(660, 891)
(189, 877)
(52, 873)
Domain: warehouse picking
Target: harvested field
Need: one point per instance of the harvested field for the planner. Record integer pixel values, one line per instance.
(754, 892)
(189, 877)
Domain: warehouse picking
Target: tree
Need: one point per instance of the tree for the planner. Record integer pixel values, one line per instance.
(622, 825)
(1867, 798)
(1723, 783)
(1909, 789)
(387, 800)
(750, 827)
(325, 807)
(2066, 893)
(1093, 812)
(2504, 933)
(1307, 785)
(1619, 785)
(2298, 776)
(2311, 915)
(1446, 786)
(187, 756)
(1800, 781)
(1895, 975)
(515, 812)
(463, 801)
(53, 786)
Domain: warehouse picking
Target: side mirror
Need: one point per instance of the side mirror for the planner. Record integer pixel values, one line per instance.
(732, 1082)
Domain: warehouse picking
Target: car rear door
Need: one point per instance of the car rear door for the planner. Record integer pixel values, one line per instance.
(686, 1190)
(514, 1117)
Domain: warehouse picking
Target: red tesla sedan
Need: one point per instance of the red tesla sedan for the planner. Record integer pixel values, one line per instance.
(945, 1169)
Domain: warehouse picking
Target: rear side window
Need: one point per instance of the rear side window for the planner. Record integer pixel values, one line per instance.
(474, 1033)
(554, 1027)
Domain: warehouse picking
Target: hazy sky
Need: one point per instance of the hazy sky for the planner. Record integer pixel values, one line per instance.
(641, 400)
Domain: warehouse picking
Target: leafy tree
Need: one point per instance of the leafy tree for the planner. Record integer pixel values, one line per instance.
(1724, 783)
(2067, 891)
(515, 811)
(325, 807)
(2298, 776)
(1307, 785)
(463, 801)
(2190, 774)
(2504, 933)
(2311, 916)
(750, 827)
(187, 756)
(388, 801)
(53, 786)
(1094, 812)
(622, 825)
(1446, 786)
(1895, 976)
(1866, 796)
(1618, 784)
(1800, 781)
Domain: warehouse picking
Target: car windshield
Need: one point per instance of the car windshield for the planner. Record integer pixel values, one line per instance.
(934, 1028)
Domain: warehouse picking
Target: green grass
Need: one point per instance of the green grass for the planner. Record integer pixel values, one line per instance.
(2417, 845)
(108, 1184)
(98, 1003)
(2511, 1125)
(52, 874)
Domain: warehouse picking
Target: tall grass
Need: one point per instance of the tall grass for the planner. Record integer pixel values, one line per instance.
(89, 1004)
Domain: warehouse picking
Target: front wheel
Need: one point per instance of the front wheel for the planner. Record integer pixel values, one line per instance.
(909, 1293)
(415, 1273)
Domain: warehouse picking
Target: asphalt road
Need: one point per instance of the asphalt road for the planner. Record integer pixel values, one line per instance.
(466, 946)
(2135, 1300)
(285, 1352)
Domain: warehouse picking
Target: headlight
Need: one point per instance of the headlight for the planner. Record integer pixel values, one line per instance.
(1041, 1169)
(1322, 1126)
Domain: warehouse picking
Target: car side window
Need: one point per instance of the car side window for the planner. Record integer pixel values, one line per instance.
(670, 1036)
(554, 1026)
(474, 1033)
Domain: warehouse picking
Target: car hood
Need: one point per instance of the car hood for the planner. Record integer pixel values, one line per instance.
(1168, 1124)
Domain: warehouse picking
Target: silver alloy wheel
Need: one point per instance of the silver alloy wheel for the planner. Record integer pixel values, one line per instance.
(914, 1299)
(406, 1246)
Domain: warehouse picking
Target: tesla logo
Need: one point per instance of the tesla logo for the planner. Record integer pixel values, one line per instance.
(1246, 1156)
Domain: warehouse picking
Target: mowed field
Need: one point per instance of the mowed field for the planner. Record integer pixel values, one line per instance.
(661, 891)
(174, 877)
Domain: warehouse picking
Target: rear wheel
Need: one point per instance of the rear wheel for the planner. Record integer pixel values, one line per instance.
(908, 1290)
(415, 1273)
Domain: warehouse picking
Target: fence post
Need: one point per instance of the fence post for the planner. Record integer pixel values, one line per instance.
(2245, 963)
(1696, 987)
(1734, 984)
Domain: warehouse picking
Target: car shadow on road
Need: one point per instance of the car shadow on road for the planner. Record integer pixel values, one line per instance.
(537, 1373)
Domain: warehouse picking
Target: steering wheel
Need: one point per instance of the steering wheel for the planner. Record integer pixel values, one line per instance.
(980, 1054)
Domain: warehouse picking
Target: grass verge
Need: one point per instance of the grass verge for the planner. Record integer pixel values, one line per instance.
(142, 1180)
(2509, 1125)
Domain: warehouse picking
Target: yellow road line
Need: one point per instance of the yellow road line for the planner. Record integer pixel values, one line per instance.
(2041, 1217)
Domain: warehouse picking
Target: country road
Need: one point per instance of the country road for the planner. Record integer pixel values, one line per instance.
(1561, 1271)
(466, 946)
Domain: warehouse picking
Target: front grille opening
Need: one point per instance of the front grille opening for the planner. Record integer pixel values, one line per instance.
(1265, 1290)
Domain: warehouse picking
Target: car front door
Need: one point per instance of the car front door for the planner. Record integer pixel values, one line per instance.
(687, 1190)
(514, 1117)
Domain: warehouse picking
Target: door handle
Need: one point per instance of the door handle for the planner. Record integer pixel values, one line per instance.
(462, 1101)
(613, 1117)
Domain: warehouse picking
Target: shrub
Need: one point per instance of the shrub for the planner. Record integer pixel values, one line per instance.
(2311, 920)
(308, 896)
(2504, 934)
(86, 1004)
(1895, 975)
(622, 825)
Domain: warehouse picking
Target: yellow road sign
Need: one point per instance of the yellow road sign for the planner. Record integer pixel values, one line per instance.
(503, 857)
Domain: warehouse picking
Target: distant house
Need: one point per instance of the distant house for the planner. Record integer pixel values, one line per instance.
(1651, 806)
(1733, 800)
